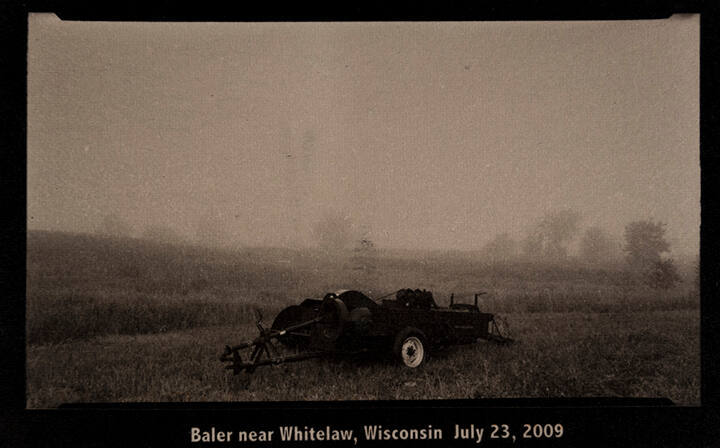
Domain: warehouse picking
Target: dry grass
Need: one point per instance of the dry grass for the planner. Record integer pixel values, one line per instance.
(132, 321)
(559, 355)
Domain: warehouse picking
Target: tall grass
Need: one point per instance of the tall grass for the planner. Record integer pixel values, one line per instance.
(81, 286)
(57, 319)
(652, 354)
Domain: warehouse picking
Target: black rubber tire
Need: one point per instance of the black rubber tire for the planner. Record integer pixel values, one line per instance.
(410, 347)
(335, 317)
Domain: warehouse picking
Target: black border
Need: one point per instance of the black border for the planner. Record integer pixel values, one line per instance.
(595, 422)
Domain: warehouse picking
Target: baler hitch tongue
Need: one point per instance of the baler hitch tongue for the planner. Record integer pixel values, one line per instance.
(261, 350)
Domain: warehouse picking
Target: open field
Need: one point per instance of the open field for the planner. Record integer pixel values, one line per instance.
(650, 354)
(114, 320)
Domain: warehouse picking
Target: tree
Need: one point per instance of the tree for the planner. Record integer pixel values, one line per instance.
(644, 244)
(662, 275)
(501, 249)
(560, 227)
(551, 235)
(532, 245)
(595, 246)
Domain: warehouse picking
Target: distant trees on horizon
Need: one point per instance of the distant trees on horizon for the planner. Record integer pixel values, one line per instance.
(645, 245)
(646, 251)
(556, 238)
(596, 246)
(548, 239)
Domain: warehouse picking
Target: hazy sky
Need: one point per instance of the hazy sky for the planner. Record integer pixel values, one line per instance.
(424, 135)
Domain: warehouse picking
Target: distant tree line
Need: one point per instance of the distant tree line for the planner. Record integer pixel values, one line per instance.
(645, 247)
(644, 251)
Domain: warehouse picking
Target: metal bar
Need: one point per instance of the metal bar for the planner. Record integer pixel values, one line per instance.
(256, 353)
(298, 326)
(294, 333)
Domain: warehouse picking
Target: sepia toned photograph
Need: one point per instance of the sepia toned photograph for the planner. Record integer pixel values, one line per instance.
(327, 211)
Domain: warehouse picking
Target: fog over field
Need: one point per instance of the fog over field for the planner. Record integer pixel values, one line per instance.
(182, 176)
(409, 135)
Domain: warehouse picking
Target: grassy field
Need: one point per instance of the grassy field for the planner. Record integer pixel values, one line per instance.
(127, 320)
